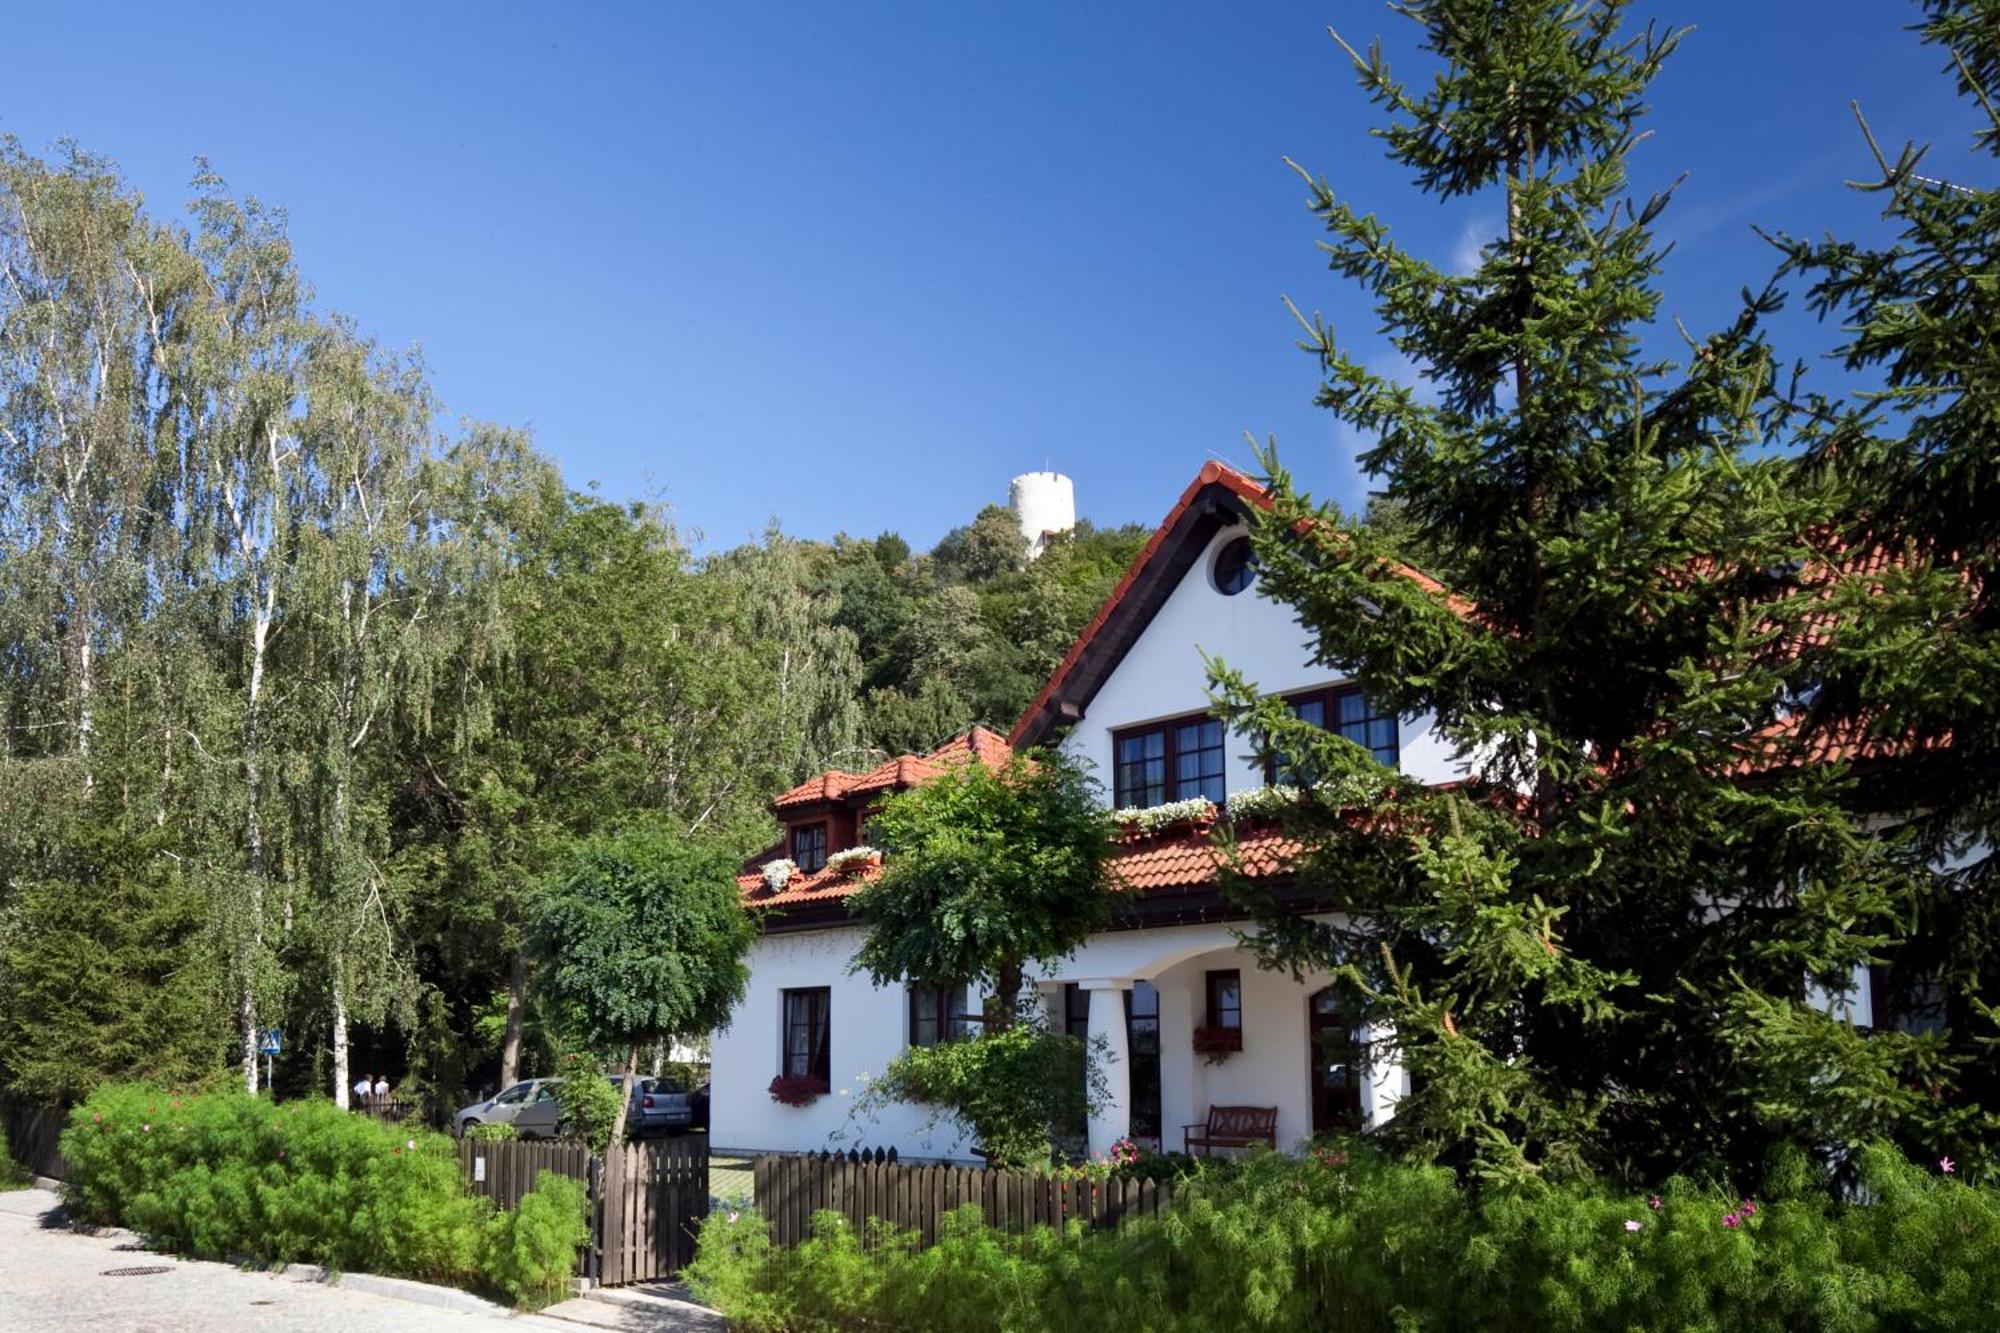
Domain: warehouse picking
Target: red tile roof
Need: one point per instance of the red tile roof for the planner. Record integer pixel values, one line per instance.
(905, 770)
(1181, 856)
(1189, 859)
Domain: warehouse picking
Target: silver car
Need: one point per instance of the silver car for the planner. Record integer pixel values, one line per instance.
(530, 1106)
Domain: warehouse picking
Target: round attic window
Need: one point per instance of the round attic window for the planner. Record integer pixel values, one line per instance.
(1235, 567)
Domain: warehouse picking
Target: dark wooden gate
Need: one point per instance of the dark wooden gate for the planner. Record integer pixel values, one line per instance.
(32, 1136)
(504, 1170)
(654, 1197)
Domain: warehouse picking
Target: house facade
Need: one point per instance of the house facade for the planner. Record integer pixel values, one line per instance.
(1188, 1020)
(1130, 700)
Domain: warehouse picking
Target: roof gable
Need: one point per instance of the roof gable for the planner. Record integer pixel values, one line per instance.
(1218, 497)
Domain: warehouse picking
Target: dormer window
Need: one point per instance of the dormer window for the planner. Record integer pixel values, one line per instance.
(809, 847)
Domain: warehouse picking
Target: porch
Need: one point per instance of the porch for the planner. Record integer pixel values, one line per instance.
(1185, 1021)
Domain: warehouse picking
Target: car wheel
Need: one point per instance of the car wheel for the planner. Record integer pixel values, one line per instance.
(466, 1125)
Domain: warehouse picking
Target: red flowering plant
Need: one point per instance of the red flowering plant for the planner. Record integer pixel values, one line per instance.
(797, 1089)
(1128, 1159)
(1217, 1043)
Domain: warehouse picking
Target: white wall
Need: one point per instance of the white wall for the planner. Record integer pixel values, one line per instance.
(868, 1026)
(1272, 1069)
(1163, 675)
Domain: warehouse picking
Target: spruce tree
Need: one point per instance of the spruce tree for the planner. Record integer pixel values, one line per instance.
(1907, 665)
(1613, 946)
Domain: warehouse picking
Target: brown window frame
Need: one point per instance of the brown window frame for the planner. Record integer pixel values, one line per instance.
(1328, 697)
(1218, 1014)
(818, 1061)
(1169, 730)
(939, 1001)
(821, 828)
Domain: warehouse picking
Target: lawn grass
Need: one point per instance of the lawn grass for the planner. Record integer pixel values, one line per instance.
(729, 1179)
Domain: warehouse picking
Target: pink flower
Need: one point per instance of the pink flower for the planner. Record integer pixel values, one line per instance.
(96, 1118)
(146, 1128)
(1747, 1208)
(1946, 1165)
(1630, 1225)
(1654, 1203)
(1731, 1220)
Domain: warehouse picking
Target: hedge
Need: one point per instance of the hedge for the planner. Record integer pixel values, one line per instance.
(227, 1176)
(1343, 1240)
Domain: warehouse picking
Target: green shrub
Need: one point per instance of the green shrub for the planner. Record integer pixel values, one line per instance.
(224, 1175)
(591, 1104)
(1343, 1240)
(530, 1253)
(13, 1175)
(221, 1174)
(1014, 1090)
(498, 1131)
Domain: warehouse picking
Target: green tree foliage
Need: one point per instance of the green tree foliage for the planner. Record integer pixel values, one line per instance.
(1598, 952)
(969, 632)
(985, 871)
(1908, 661)
(639, 938)
(1015, 1090)
(108, 971)
(593, 1107)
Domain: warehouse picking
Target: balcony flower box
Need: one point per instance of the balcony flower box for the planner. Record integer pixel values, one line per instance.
(797, 1089)
(852, 861)
(1217, 1044)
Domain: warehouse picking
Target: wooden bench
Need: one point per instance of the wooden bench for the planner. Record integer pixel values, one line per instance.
(1233, 1127)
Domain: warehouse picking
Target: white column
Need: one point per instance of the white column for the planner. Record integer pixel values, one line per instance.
(1112, 1120)
(1182, 1090)
(1381, 1083)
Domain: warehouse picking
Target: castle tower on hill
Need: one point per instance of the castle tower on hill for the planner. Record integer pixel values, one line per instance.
(1044, 503)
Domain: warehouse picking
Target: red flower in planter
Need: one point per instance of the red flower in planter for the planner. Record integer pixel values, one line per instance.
(797, 1089)
(1217, 1043)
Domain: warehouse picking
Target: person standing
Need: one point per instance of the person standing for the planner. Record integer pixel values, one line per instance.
(364, 1088)
(381, 1090)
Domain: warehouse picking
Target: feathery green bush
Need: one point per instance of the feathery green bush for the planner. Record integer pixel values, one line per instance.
(1345, 1240)
(225, 1175)
(530, 1252)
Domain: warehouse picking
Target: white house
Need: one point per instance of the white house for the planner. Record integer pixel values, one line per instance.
(1132, 698)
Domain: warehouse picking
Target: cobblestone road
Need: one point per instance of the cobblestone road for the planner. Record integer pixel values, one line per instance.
(59, 1279)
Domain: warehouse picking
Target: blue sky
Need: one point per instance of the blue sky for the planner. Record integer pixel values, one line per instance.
(854, 265)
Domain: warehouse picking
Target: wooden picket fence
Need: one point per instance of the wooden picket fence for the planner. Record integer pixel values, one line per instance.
(653, 1197)
(33, 1134)
(504, 1170)
(789, 1190)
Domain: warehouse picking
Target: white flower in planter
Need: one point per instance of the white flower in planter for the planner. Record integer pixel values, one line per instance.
(851, 860)
(1153, 818)
(779, 873)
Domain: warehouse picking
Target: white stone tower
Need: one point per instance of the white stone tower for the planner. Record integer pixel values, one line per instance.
(1044, 503)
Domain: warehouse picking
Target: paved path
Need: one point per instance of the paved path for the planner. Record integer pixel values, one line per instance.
(53, 1278)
